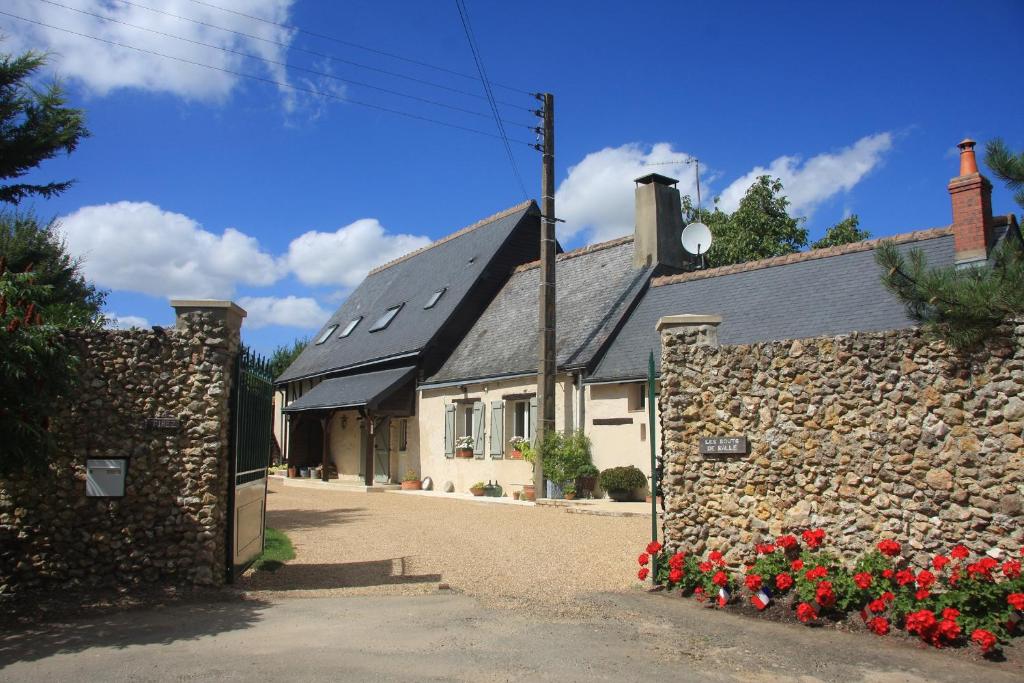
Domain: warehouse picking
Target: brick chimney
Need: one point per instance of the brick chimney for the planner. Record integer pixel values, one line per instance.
(659, 224)
(971, 193)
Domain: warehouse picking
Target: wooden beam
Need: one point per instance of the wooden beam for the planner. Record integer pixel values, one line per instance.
(325, 429)
(368, 466)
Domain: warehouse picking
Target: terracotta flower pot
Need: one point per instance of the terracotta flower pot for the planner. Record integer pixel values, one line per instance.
(464, 453)
(529, 492)
(412, 485)
(570, 496)
(477, 490)
(516, 455)
(293, 472)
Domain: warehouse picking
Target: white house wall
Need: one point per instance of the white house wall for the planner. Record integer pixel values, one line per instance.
(618, 444)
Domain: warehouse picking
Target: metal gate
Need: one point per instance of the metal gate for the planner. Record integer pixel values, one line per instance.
(252, 414)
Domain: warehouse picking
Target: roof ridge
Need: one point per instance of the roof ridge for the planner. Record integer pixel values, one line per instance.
(458, 233)
(582, 251)
(800, 256)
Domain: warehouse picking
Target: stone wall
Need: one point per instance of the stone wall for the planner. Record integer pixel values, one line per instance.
(868, 435)
(169, 528)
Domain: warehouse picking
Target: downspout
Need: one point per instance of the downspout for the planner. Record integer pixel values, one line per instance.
(581, 407)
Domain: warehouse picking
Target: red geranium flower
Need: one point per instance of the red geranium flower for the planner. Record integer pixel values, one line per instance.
(720, 579)
(982, 569)
(642, 574)
(863, 580)
(940, 561)
(716, 557)
(797, 565)
(889, 547)
(643, 559)
(921, 594)
(787, 542)
(698, 593)
(675, 575)
(676, 561)
(753, 582)
(984, 638)
(1011, 569)
(764, 548)
(904, 576)
(947, 629)
(954, 576)
(887, 573)
(785, 582)
(653, 547)
(887, 596)
(704, 567)
(925, 579)
(920, 622)
(805, 612)
(824, 595)
(816, 573)
(950, 614)
(960, 552)
(879, 625)
(877, 606)
(814, 537)
(1016, 600)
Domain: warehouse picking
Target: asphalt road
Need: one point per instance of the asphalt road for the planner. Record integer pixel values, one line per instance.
(445, 636)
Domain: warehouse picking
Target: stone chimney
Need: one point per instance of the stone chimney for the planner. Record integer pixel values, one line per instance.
(659, 224)
(971, 193)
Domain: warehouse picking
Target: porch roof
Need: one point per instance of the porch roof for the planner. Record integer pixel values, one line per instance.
(368, 389)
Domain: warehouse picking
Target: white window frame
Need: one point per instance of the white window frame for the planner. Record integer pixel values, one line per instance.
(514, 426)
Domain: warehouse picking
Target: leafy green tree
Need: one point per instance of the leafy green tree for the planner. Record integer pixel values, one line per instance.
(35, 125)
(963, 306)
(845, 231)
(35, 371)
(285, 354)
(69, 300)
(1006, 166)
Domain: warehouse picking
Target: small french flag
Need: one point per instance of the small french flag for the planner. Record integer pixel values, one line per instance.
(723, 597)
(761, 598)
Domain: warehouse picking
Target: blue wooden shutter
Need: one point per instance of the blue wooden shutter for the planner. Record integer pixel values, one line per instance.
(497, 429)
(449, 431)
(478, 430)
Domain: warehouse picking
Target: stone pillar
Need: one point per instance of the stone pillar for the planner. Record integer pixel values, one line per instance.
(699, 330)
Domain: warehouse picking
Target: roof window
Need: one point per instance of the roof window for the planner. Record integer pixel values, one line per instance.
(435, 297)
(385, 320)
(327, 334)
(348, 328)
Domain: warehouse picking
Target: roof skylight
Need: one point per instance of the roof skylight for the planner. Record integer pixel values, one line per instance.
(385, 320)
(327, 334)
(435, 297)
(348, 328)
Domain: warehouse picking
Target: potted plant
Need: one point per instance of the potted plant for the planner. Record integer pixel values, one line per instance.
(530, 455)
(477, 489)
(621, 483)
(586, 480)
(293, 472)
(515, 495)
(517, 444)
(464, 447)
(569, 491)
(411, 481)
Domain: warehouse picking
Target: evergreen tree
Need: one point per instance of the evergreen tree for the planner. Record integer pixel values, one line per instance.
(285, 354)
(35, 125)
(845, 231)
(1006, 166)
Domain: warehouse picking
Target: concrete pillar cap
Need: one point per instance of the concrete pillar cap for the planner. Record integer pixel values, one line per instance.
(687, 319)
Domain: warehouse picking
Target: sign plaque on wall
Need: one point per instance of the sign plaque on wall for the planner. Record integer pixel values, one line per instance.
(723, 445)
(163, 423)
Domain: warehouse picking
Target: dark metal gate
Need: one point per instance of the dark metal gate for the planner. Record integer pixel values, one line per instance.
(252, 414)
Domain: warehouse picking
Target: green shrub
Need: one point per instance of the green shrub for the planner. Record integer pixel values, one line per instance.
(564, 456)
(622, 479)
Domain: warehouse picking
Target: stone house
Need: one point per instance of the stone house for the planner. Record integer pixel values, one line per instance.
(480, 381)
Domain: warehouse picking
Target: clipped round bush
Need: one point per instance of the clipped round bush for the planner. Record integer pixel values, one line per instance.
(622, 479)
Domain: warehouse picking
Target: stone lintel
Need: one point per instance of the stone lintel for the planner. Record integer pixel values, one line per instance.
(687, 320)
(228, 311)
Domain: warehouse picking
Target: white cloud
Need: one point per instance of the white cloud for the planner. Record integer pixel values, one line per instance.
(343, 257)
(290, 311)
(821, 177)
(597, 194)
(139, 247)
(103, 67)
(126, 322)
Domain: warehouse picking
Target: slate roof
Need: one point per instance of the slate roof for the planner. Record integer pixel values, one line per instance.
(366, 389)
(455, 262)
(821, 292)
(595, 287)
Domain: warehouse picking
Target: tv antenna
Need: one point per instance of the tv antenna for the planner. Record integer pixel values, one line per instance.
(697, 236)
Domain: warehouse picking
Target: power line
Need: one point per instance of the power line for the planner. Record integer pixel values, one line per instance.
(249, 55)
(464, 15)
(281, 84)
(322, 55)
(298, 29)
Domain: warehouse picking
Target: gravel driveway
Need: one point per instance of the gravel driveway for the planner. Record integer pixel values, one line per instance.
(507, 556)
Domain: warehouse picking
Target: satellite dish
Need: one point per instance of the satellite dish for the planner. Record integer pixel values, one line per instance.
(696, 238)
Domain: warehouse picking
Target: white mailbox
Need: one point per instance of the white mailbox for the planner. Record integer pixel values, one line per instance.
(105, 478)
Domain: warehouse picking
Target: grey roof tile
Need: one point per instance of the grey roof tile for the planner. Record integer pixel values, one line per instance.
(804, 295)
(366, 389)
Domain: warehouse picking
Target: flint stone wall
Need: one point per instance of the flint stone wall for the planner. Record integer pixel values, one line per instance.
(868, 435)
(169, 528)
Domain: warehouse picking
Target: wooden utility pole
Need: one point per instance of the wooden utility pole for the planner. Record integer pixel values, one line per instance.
(546, 371)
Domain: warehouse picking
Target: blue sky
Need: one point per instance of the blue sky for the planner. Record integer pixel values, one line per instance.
(197, 182)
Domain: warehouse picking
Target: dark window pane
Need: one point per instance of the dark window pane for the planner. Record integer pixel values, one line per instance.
(327, 334)
(386, 319)
(435, 297)
(348, 328)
